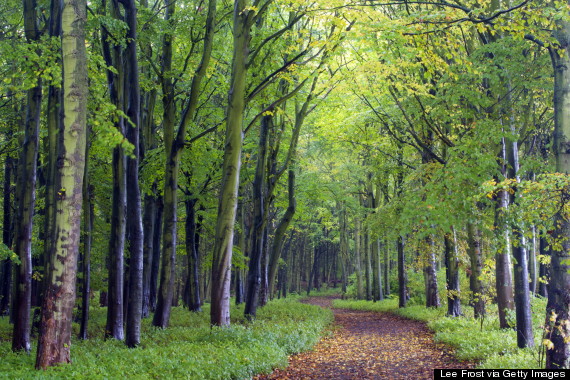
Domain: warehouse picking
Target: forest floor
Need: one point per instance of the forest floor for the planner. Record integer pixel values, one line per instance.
(369, 345)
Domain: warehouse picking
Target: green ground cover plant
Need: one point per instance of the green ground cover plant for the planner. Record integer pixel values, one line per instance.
(189, 348)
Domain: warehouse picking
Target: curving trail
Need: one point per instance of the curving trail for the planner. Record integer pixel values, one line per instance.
(370, 345)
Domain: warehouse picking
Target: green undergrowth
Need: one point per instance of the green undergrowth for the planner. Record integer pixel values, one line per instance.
(188, 349)
(486, 344)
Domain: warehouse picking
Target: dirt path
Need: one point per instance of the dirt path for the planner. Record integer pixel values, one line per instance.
(369, 345)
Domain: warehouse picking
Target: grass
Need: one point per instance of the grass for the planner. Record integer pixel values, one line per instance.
(189, 348)
(491, 346)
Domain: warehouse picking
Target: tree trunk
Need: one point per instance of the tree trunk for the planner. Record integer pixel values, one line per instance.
(134, 204)
(149, 227)
(279, 236)
(156, 252)
(26, 199)
(544, 269)
(259, 222)
(503, 277)
(559, 286)
(368, 271)
(239, 273)
(558, 306)
(532, 264)
(525, 337)
(402, 274)
(358, 260)
(221, 264)
(59, 298)
(430, 274)
(54, 121)
(476, 260)
(174, 146)
(452, 276)
(376, 250)
(194, 303)
(6, 265)
(88, 220)
(386, 268)
(115, 317)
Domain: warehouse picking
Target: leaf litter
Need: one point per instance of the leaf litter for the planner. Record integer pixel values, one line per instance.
(369, 345)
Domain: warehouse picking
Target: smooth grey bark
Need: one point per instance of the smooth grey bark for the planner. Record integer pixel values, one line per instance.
(452, 276)
(280, 231)
(432, 294)
(149, 227)
(525, 337)
(134, 203)
(358, 259)
(532, 263)
(6, 264)
(156, 253)
(503, 267)
(402, 274)
(476, 266)
(26, 188)
(88, 221)
(54, 121)
(115, 317)
(386, 268)
(194, 301)
(544, 269)
(259, 222)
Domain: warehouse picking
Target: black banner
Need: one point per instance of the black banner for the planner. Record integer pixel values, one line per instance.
(501, 374)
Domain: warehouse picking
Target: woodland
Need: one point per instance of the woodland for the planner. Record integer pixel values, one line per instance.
(177, 173)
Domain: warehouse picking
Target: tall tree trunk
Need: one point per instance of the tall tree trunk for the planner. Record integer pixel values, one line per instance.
(525, 337)
(149, 227)
(375, 250)
(134, 204)
(452, 276)
(115, 317)
(368, 263)
(544, 269)
(476, 260)
(174, 145)
(194, 303)
(256, 244)
(239, 273)
(402, 274)
(6, 265)
(503, 277)
(26, 200)
(430, 274)
(532, 264)
(54, 121)
(59, 298)
(156, 252)
(88, 219)
(221, 263)
(357, 259)
(386, 268)
(559, 286)
(169, 228)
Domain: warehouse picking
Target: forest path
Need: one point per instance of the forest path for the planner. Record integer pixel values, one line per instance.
(369, 345)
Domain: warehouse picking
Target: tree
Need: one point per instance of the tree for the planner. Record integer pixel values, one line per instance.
(243, 19)
(59, 298)
(26, 189)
